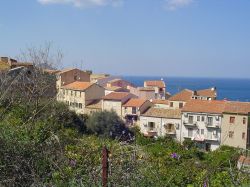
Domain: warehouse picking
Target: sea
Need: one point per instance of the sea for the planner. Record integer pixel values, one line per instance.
(234, 89)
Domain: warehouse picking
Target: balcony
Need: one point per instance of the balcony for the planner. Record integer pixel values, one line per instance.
(190, 124)
(212, 137)
(170, 128)
(215, 126)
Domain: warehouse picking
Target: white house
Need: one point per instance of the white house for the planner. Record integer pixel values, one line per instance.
(202, 121)
(161, 122)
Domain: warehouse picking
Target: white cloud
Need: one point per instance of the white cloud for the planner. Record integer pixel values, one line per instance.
(175, 4)
(83, 3)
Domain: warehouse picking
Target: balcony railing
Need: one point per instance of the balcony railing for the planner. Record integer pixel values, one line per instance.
(212, 137)
(188, 123)
(214, 125)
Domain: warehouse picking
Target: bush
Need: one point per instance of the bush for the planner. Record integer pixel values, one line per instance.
(108, 124)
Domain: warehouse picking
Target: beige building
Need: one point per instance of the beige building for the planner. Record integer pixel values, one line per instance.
(161, 122)
(78, 95)
(236, 125)
(68, 76)
(132, 110)
(94, 106)
(143, 93)
(158, 103)
(115, 100)
(158, 86)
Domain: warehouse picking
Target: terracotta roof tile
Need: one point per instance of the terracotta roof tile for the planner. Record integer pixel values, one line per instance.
(205, 106)
(118, 96)
(210, 92)
(116, 88)
(160, 101)
(155, 83)
(237, 107)
(134, 102)
(77, 85)
(163, 113)
(183, 95)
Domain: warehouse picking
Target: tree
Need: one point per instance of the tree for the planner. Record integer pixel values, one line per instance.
(108, 124)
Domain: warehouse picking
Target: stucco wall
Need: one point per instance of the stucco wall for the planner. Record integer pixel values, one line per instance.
(159, 125)
(212, 133)
(237, 127)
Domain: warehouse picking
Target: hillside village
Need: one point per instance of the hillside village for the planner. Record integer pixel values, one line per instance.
(190, 114)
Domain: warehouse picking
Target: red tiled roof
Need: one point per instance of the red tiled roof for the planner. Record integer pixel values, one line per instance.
(117, 96)
(134, 102)
(163, 113)
(205, 106)
(77, 85)
(183, 95)
(157, 83)
(160, 101)
(116, 89)
(237, 107)
(210, 92)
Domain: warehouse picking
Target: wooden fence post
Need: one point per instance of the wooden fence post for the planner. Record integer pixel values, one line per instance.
(104, 166)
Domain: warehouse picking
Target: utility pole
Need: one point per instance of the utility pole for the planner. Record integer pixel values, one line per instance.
(104, 166)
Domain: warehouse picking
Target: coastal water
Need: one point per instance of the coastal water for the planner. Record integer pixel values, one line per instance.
(229, 88)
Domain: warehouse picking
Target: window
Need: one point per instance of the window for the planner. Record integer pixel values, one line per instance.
(202, 118)
(76, 105)
(243, 135)
(190, 133)
(151, 126)
(217, 118)
(75, 93)
(198, 118)
(210, 121)
(190, 119)
(71, 93)
(80, 94)
(180, 105)
(75, 77)
(133, 110)
(244, 121)
(66, 92)
(231, 134)
(63, 92)
(80, 105)
(232, 119)
(202, 131)
(171, 104)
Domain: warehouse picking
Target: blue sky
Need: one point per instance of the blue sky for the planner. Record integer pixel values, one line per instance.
(194, 38)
